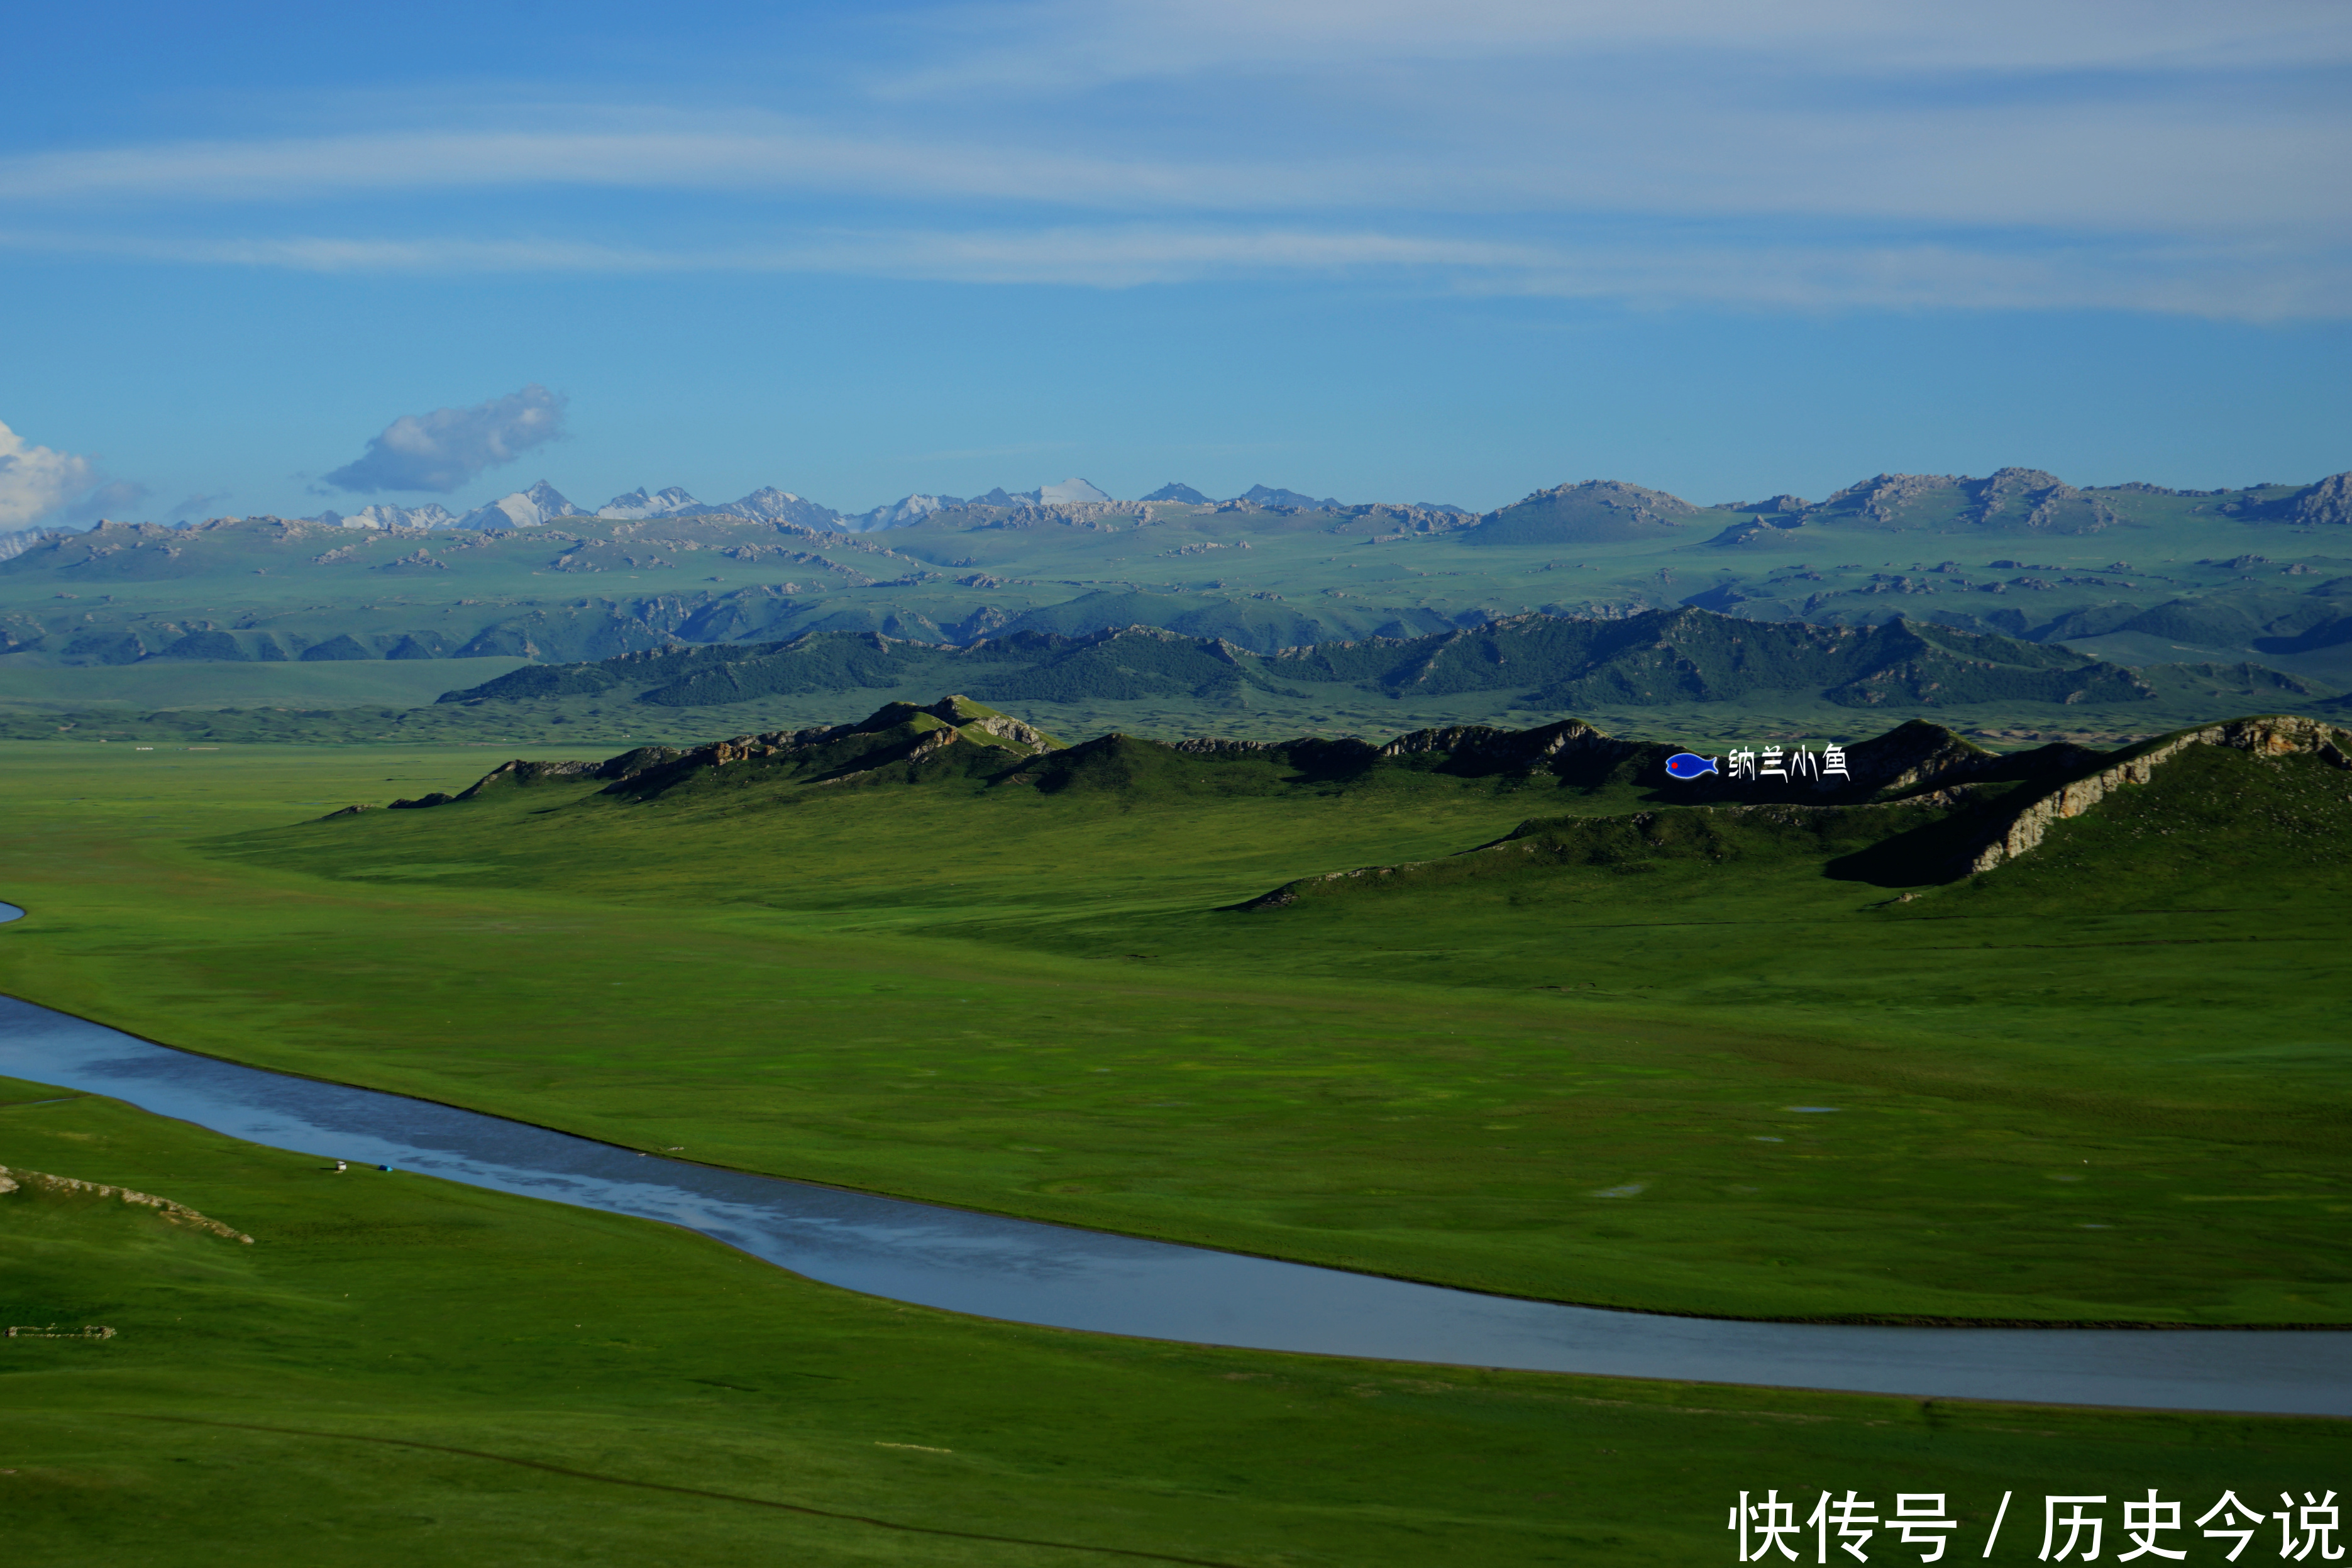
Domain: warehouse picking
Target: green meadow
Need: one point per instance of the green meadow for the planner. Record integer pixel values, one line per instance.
(123, 690)
(399, 1371)
(2102, 1084)
(2108, 1096)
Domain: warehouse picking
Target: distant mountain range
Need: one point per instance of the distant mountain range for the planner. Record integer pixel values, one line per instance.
(543, 503)
(1593, 511)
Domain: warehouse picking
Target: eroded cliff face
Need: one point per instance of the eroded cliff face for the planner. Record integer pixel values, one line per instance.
(1918, 793)
(2271, 736)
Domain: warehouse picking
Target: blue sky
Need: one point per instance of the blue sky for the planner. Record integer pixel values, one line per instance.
(1383, 250)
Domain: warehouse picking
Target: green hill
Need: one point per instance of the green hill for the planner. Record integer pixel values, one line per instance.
(1598, 511)
(1659, 659)
(1575, 977)
(1925, 807)
(1712, 675)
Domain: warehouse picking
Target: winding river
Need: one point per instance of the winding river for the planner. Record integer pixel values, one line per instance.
(1028, 1272)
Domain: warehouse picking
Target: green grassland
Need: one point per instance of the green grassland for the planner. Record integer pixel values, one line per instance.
(179, 685)
(2103, 1083)
(2115, 1096)
(399, 1370)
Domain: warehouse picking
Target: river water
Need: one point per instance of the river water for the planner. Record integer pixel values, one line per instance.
(1027, 1272)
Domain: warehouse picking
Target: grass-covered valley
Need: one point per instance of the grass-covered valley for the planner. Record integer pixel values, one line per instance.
(398, 1369)
(963, 962)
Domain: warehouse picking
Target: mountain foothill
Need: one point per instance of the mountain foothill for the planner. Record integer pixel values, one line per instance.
(2014, 588)
(1915, 807)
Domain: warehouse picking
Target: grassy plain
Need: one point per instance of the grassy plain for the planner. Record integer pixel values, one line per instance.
(2110, 1097)
(1031, 1004)
(403, 1370)
(212, 684)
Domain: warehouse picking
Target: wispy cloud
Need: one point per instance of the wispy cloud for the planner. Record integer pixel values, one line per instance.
(1102, 257)
(2247, 282)
(649, 150)
(2253, 284)
(2166, 155)
(1054, 43)
(443, 449)
(2158, 166)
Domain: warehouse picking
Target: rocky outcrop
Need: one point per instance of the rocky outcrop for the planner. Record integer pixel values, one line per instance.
(2328, 501)
(1006, 727)
(1596, 512)
(1883, 498)
(526, 772)
(1913, 753)
(879, 741)
(1545, 745)
(1217, 746)
(2022, 498)
(934, 741)
(2274, 736)
(2043, 502)
(42, 1182)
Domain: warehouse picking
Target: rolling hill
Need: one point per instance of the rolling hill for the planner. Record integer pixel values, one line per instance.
(1509, 981)
(1659, 659)
(1924, 808)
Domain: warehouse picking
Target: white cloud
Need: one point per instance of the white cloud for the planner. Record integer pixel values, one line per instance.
(1097, 256)
(1054, 42)
(2242, 282)
(1487, 141)
(647, 151)
(444, 448)
(2151, 154)
(37, 480)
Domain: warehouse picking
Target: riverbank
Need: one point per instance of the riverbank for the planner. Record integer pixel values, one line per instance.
(400, 1369)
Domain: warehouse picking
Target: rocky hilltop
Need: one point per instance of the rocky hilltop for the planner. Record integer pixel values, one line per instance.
(1924, 808)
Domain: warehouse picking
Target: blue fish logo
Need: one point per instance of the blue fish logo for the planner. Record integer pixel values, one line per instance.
(1683, 765)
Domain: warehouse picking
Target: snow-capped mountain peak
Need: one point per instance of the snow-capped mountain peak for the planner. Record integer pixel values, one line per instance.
(524, 509)
(661, 503)
(770, 504)
(432, 514)
(897, 513)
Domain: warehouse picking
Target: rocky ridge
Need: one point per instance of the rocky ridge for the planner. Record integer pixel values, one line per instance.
(1917, 774)
(177, 1214)
(2269, 736)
